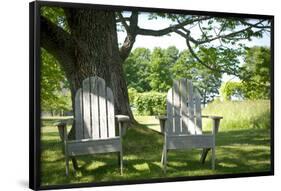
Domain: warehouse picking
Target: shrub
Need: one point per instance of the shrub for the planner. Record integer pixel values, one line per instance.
(148, 103)
(229, 89)
(132, 95)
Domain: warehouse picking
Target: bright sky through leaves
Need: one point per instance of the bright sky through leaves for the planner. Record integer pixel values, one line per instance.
(174, 39)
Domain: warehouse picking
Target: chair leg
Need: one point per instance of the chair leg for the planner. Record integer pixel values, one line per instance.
(67, 165)
(74, 163)
(213, 158)
(121, 162)
(204, 155)
(118, 158)
(165, 160)
(162, 157)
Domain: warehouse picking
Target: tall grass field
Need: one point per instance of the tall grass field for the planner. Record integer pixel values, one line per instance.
(253, 114)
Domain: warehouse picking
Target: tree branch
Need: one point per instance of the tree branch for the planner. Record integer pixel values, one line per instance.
(57, 42)
(123, 21)
(169, 29)
(68, 16)
(203, 33)
(207, 66)
(255, 25)
(133, 30)
(198, 42)
(120, 21)
(231, 36)
(186, 36)
(198, 59)
(175, 28)
(130, 39)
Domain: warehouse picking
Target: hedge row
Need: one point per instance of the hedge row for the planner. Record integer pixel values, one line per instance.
(148, 103)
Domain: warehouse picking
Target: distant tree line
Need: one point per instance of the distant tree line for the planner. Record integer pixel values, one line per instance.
(149, 75)
(155, 70)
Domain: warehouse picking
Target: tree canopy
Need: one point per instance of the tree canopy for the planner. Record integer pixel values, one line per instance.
(202, 33)
(257, 73)
(256, 81)
(54, 94)
(214, 45)
(136, 69)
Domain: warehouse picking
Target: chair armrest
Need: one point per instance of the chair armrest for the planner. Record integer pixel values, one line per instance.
(161, 117)
(62, 130)
(68, 121)
(61, 124)
(162, 120)
(216, 122)
(62, 127)
(122, 118)
(212, 117)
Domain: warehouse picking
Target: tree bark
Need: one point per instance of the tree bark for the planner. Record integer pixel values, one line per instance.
(91, 48)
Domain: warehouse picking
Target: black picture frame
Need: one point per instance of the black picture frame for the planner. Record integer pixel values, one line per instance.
(34, 94)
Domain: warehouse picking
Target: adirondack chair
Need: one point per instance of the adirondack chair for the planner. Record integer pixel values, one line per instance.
(182, 127)
(94, 123)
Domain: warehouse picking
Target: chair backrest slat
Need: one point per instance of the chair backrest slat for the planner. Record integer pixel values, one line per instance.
(94, 110)
(102, 108)
(170, 113)
(183, 109)
(177, 109)
(79, 115)
(111, 115)
(198, 113)
(190, 105)
(86, 110)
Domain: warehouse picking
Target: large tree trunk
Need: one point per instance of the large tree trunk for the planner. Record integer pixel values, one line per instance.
(90, 49)
(97, 53)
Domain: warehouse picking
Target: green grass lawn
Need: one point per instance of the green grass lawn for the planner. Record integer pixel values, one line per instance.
(238, 150)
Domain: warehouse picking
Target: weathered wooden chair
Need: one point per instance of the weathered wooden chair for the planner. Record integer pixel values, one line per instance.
(182, 127)
(94, 123)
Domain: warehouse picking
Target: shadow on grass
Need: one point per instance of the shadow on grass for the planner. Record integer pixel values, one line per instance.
(237, 151)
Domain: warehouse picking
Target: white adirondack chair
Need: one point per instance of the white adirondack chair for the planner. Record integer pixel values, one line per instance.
(94, 123)
(182, 127)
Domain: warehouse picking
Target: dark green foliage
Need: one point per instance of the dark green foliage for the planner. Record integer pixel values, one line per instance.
(136, 69)
(54, 86)
(148, 103)
(147, 71)
(206, 81)
(255, 82)
(55, 15)
(155, 71)
(55, 95)
(229, 89)
(160, 78)
(257, 73)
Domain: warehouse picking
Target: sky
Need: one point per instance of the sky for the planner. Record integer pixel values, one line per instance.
(175, 40)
